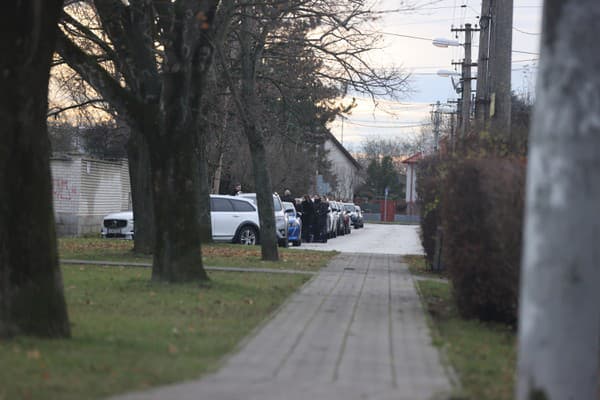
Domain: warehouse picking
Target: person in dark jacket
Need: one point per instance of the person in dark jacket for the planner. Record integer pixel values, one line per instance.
(287, 196)
(308, 216)
(237, 189)
(320, 224)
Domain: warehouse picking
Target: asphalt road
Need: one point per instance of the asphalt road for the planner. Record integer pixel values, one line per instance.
(374, 239)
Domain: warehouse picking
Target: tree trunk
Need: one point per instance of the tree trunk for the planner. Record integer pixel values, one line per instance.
(174, 149)
(559, 326)
(203, 190)
(31, 289)
(249, 110)
(141, 193)
(264, 194)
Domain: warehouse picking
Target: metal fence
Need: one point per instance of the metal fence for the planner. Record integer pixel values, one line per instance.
(405, 219)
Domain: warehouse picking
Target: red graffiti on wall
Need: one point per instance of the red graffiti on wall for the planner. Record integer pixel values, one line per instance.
(63, 190)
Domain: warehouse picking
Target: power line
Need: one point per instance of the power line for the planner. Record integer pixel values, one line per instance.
(525, 52)
(388, 127)
(525, 32)
(407, 36)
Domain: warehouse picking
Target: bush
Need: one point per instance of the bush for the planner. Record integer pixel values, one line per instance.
(481, 213)
(429, 174)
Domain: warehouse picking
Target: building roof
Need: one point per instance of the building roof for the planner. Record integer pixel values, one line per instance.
(343, 150)
(415, 158)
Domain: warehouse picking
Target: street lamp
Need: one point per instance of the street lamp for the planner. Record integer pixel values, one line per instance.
(443, 42)
(446, 73)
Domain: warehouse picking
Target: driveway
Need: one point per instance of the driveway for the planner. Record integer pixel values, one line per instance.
(375, 239)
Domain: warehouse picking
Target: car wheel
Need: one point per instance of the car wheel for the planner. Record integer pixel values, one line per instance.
(247, 236)
(284, 243)
(298, 242)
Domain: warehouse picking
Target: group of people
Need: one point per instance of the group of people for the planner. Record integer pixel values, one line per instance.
(314, 218)
(314, 214)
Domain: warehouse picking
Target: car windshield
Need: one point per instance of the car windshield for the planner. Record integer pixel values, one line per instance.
(277, 206)
(276, 203)
(349, 207)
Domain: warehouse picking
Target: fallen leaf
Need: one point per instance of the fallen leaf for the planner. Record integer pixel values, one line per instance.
(33, 354)
(172, 349)
(249, 301)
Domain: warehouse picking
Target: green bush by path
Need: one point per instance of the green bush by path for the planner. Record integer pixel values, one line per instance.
(482, 354)
(130, 334)
(482, 216)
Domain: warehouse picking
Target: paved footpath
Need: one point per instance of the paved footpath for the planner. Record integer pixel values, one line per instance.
(355, 331)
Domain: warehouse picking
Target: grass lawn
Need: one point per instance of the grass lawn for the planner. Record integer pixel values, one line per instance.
(214, 255)
(417, 265)
(483, 354)
(130, 334)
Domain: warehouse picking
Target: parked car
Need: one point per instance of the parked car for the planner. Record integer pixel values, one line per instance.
(339, 227)
(344, 219)
(332, 221)
(281, 219)
(233, 219)
(358, 221)
(118, 225)
(352, 212)
(294, 224)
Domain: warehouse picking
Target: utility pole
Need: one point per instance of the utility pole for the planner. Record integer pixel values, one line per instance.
(436, 126)
(466, 80)
(342, 128)
(500, 64)
(452, 126)
(482, 102)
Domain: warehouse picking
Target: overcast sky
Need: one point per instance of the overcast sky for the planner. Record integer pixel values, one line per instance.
(422, 60)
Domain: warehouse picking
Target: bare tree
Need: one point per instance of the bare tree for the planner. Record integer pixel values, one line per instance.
(31, 290)
(331, 32)
(162, 53)
(559, 326)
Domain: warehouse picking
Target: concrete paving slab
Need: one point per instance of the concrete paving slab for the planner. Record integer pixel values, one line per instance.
(355, 331)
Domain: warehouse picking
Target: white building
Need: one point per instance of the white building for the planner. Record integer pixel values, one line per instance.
(345, 169)
(84, 190)
(411, 183)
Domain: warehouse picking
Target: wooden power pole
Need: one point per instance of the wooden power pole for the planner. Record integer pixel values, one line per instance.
(466, 80)
(482, 103)
(499, 66)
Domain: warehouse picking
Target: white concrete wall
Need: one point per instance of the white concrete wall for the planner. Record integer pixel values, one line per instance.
(66, 183)
(411, 183)
(344, 170)
(102, 187)
(85, 190)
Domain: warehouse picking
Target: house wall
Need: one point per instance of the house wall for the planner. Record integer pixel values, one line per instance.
(411, 188)
(85, 190)
(66, 184)
(345, 171)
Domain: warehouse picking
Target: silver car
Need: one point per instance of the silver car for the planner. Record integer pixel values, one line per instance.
(233, 220)
(281, 219)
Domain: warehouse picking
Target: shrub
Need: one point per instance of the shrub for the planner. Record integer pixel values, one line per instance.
(428, 186)
(481, 213)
